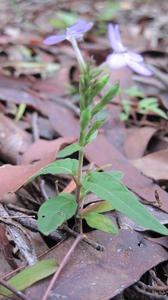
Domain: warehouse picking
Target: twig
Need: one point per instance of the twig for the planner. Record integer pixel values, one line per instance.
(35, 129)
(92, 243)
(157, 280)
(154, 296)
(13, 290)
(62, 265)
(153, 288)
(56, 188)
(19, 236)
(42, 188)
(20, 209)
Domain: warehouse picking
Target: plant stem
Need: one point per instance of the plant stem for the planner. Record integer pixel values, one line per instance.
(79, 56)
(78, 189)
(62, 265)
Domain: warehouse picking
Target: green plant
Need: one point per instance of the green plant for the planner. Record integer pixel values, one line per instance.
(106, 185)
(144, 106)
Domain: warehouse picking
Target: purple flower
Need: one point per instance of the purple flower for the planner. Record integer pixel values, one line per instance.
(121, 56)
(76, 31)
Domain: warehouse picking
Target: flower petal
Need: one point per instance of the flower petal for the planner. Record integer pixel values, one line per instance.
(79, 28)
(114, 38)
(118, 38)
(135, 56)
(54, 39)
(116, 60)
(139, 68)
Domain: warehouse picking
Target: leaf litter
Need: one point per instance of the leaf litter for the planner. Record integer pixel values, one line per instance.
(43, 80)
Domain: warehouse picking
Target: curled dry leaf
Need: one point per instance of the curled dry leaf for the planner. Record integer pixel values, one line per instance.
(45, 149)
(137, 140)
(13, 177)
(154, 165)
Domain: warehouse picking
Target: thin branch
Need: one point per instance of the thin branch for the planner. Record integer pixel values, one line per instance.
(92, 243)
(62, 265)
(154, 296)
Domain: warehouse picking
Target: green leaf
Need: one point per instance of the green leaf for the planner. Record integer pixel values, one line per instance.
(91, 135)
(122, 200)
(110, 175)
(68, 150)
(55, 211)
(151, 104)
(100, 84)
(30, 275)
(134, 92)
(20, 112)
(100, 222)
(106, 99)
(146, 103)
(124, 116)
(126, 106)
(64, 19)
(160, 112)
(62, 166)
(109, 11)
(85, 118)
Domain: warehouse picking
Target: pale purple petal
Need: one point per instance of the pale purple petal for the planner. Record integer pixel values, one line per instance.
(139, 68)
(114, 38)
(77, 30)
(116, 60)
(54, 39)
(135, 56)
(118, 38)
(81, 26)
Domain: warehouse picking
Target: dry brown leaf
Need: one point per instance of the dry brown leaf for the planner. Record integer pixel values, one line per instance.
(93, 275)
(45, 149)
(154, 165)
(13, 177)
(137, 140)
(13, 140)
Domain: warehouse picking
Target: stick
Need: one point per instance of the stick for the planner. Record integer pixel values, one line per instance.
(92, 243)
(62, 265)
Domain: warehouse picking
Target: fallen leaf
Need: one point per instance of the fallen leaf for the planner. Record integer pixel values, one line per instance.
(30, 275)
(13, 140)
(13, 177)
(137, 140)
(154, 165)
(102, 275)
(70, 187)
(17, 96)
(6, 258)
(42, 149)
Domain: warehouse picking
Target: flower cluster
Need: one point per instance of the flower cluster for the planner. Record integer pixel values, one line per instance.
(121, 56)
